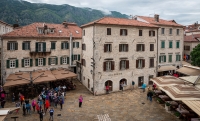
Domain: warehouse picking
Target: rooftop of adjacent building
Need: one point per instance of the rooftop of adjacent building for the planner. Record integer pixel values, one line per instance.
(2, 22)
(192, 28)
(46, 30)
(119, 21)
(157, 21)
(192, 38)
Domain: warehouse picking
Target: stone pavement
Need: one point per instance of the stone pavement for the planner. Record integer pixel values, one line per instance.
(118, 106)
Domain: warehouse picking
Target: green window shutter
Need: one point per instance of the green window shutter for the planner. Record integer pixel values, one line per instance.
(8, 63)
(78, 57)
(22, 62)
(170, 58)
(49, 61)
(62, 45)
(36, 46)
(61, 61)
(16, 61)
(67, 45)
(176, 57)
(36, 62)
(53, 45)
(159, 59)
(74, 44)
(23, 46)
(170, 44)
(29, 44)
(72, 57)
(44, 61)
(56, 60)
(44, 46)
(67, 60)
(31, 62)
(179, 57)
(77, 44)
(177, 44)
(164, 58)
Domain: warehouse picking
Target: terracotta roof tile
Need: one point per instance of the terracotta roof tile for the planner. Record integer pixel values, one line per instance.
(119, 21)
(192, 38)
(32, 31)
(161, 21)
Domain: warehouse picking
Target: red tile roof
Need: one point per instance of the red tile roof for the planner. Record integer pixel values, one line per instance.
(60, 31)
(161, 21)
(192, 28)
(119, 21)
(192, 38)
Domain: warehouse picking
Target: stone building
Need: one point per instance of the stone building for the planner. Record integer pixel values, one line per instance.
(4, 28)
(116, 51)
(170, 43)
(41, 46)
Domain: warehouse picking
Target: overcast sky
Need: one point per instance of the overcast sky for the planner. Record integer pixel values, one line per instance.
(182, 11)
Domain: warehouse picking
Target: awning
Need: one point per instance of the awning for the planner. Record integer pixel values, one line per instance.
(4, 112)
(166, 68)
(189, 71)
(182, 92)
(191, 79)
(167, 81)
(44, 76)
(63, 74)
(194, 105)
(186, 63)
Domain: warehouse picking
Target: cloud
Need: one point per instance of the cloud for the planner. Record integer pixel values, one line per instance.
(182, 11)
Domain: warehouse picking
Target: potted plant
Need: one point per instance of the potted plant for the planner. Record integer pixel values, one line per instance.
(159, 100)
(167, 106)
(177, 114)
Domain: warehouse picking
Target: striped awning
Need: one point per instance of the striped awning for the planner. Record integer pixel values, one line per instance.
(194, 105)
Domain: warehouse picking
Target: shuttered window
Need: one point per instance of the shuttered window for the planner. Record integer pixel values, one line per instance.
(26, 46)
(108, 65)
(162, 58)
(53, 45)
(151, 33)
(177, 44)
(12, 46)
(83, 62)
(108, 31)
(124, 64)
(170, 44)
(140, 47)
(151, 62)
(83, 47)
(12, 63)
(151, 47)
(170, 58)
(123, 47)
(162, 44)
(178, 57)
(123, 32)
(107, 47)
(53, 61)
(64, 45)
(140, 63)
(140, 32)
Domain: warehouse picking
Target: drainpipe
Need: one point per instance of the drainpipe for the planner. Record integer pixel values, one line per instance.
(2, 62)
(157, 55)
(70, 50)
(93, 72)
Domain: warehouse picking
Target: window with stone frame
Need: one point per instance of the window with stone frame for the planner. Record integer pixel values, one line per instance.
(12, 46)
(40, 61)
(26, 46)
(151, 62)
(108, 65)
(162, 58)
(140, 63)
(140, 32)
(12, 63)
(140, 47)
(151, 47)
(151, 33)
(124, 64)
(27, 62)
(123, 47)
(123, 32)
(107, 47)
(108, 31)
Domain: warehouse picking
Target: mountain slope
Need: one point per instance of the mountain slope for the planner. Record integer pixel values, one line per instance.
(23, 13)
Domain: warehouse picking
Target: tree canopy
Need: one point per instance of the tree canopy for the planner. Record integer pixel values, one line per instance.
(195, 56)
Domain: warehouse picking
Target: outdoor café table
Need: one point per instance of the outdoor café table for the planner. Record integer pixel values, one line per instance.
(195, 119)
(164, 97)
(182, 111)
(158, 92)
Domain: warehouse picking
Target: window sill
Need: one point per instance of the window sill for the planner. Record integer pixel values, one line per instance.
(108, 52)
(12, 67)
(53, 64)
(151, 67)
(108, 71)
(140, 51)
(26, 66)
(140, 68)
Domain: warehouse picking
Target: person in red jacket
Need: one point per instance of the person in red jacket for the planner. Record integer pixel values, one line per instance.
(47, 104)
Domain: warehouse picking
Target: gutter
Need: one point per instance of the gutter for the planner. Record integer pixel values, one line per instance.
(93, 72)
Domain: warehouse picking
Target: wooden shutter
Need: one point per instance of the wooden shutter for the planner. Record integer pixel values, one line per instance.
(112, 65)
(22, 62)
(164, 58)
(72, 57)
(67, 60)
(62, 45)
(154, 34)
(82, 46)
(77, 44)
(31, 62)
(120, 47)
(44, 46)
(82, 61)
(105, 48)
(78, 57)
(29, 44)
(8, 63)
(61, 62)
(36, 46)
(127, 64)
(73, 44)
(67, 45)
(137, 63)
(17, 64)
(104, 66)
(143, 63)
(143, 47)
(120, 31)
(159, 59)
(44, 61)
(56, 60)
(49, 61)
(8, 46)
(126, 31)
(137, 47)
(149, 33)
(36, 62)
(126, 47)
(120, 65)
(16, 46)
(23, 46)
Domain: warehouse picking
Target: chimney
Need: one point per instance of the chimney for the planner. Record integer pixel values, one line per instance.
(156, 17)
(65, 24)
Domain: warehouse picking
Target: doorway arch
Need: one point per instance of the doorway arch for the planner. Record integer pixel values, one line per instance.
(122, 81)
(110, 84)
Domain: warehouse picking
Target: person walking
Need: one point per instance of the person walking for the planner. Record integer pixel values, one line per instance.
(60, 102)
(51, 111)
(24, 108)
(41, 115)
(33, 105)
(107, 89)
(150, 95)
(80, 101)
(121, 86)
(133, 83)
(13, 97)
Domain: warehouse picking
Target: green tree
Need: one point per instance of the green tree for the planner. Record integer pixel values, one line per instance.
(195, 56)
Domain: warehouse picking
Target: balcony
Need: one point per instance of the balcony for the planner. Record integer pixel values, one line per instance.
(40, 51)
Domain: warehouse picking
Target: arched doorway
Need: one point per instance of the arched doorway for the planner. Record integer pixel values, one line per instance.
(110, 84)
(123, 82)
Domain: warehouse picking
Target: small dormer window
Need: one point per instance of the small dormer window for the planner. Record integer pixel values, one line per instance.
(40, 31)
(199, 28)
(51, 30)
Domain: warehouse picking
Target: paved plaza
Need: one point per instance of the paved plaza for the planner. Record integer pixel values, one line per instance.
(119, 106)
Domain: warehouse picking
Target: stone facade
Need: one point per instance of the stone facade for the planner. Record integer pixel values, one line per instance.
(32, 55)
(191, 45)
(96, 36)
